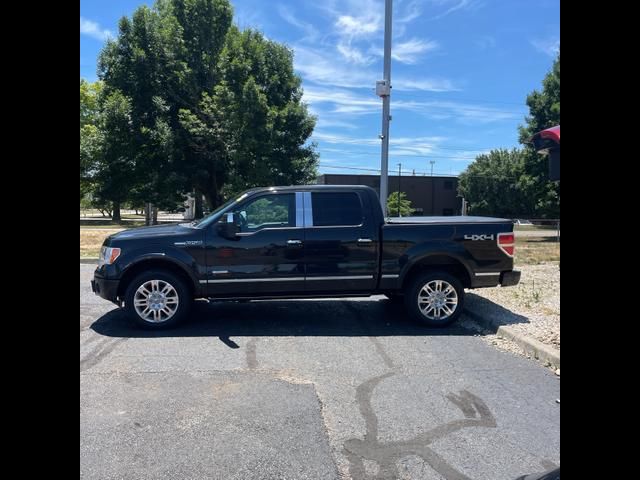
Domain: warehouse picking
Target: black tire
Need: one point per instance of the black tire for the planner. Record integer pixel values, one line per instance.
(180, 313)
(414, 289)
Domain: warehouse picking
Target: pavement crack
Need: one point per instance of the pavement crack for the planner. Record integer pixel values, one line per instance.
(376, 343)
(103, 349)
(386, 455)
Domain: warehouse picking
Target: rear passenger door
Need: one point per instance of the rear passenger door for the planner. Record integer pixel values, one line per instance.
(341, 244)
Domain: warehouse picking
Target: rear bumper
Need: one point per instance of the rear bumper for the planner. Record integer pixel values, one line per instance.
(508, 279)
(107, 289)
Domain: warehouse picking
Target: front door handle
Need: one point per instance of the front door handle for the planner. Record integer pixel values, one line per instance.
(364, 241)
(294, 243)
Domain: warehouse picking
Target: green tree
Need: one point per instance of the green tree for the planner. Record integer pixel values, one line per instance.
(544, 112)
(509, 183)
(253, 130)
(397, 203)
(139, 66)
(491, 184)
(213, 109)
(115, 173)
(89, 134)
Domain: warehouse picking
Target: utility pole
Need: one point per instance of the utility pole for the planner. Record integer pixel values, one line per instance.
(399, 176)
(383, 89)
(432, 188)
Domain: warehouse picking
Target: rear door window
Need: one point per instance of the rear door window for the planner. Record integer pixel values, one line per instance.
(332, 209)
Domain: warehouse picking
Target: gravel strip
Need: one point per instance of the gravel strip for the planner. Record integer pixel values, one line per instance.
(531, 307)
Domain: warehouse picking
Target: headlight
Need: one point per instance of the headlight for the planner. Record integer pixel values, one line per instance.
(108, 255)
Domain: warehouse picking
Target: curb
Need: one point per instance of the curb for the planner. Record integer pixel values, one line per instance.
(536, 349)
(89, 260)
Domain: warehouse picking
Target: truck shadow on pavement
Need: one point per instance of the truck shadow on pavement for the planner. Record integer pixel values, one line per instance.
(289, 318)
(483, 307)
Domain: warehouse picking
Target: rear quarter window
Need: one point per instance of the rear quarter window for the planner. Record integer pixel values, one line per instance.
(336, 209)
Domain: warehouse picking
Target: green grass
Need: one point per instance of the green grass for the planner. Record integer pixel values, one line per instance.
(91, 241)
(530, 228)
(536, 250)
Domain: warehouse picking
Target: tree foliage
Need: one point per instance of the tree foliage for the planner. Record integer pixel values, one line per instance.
(210, 108)
(544, 112)
(90, 139)
(398, 205)
(491, 184)
(516, 182)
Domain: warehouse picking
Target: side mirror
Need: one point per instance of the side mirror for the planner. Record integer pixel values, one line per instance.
(229, 229)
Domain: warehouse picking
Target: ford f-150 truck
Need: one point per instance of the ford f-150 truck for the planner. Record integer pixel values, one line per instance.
(305, 242)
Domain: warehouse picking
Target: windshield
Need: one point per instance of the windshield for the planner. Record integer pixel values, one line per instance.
(218, 212)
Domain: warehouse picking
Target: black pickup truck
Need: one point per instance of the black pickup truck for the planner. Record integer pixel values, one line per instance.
(305, 242)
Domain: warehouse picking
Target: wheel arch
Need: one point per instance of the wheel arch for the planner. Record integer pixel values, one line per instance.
(434, 262)
(156, 263)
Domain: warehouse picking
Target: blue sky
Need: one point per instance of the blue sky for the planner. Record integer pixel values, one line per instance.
(460, 72)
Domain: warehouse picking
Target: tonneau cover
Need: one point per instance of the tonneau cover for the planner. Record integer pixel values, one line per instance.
(444, 220)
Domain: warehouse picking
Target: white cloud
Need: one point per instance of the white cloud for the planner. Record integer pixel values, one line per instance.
(412, 11)
(342, 101)
(549, 46)
(92, 29)
(485, 42)
(288, 17)
(333, 101)
(323, 68)
(336, 103)
(410, 51)
(406, 52)
(397, 145)
(353, 55)
(360, 26)
(455, 6)
(424, 84)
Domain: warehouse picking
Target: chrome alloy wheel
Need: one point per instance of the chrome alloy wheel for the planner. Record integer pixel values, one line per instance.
(437, 300)
(156, 301)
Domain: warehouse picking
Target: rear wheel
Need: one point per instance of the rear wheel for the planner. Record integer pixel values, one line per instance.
(435, 299)
(157, 299)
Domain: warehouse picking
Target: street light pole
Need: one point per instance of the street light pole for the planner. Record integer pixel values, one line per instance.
(399, 176)
(383, 89)
(432, 188)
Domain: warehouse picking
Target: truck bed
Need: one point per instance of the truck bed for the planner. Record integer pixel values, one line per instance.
(446, 220)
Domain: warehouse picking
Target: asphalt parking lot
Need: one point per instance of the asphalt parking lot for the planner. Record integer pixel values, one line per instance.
(345, 388)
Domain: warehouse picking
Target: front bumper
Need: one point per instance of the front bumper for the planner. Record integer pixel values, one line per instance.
(509, 279)
(107, 289)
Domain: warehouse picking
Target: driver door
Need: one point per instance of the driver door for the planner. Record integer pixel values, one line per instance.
(267, 255)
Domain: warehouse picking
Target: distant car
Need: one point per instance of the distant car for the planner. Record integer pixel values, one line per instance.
(519, 221)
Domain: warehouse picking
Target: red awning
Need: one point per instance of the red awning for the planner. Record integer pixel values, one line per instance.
(553, 133)
(546, 139)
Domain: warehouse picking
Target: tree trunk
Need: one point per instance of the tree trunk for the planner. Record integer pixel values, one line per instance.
(147, 214)
(212, 193)
(155, 215)
(116, 212)
(198, 205)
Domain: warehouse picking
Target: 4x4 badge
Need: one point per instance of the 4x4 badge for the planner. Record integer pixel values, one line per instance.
(479, 237)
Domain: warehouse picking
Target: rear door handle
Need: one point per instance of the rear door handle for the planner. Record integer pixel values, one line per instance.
(364, 241)
(294, 243)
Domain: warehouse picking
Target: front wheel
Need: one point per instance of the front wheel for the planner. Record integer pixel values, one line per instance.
(157, 299)
(435, 299)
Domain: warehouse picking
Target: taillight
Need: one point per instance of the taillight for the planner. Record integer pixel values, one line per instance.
(507, 243)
